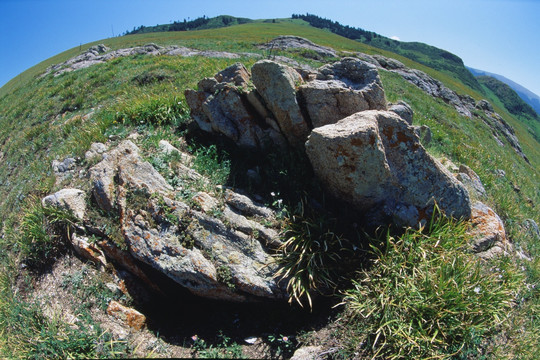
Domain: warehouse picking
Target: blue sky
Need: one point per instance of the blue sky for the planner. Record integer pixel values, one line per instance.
(499, 36)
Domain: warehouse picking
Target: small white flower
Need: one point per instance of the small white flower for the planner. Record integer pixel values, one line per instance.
(279, 201)
(477, 289)
(273, 194)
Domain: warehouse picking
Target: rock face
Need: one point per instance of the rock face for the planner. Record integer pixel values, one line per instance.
(125, 167)
(471, 181)
(227, 107)
(288, 42)
(129, 316)
(374, 160)
(404, 111)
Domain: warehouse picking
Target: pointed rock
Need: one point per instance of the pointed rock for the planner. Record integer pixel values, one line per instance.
(277, 84)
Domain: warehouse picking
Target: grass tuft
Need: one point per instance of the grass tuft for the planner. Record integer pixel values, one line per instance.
(426, 296)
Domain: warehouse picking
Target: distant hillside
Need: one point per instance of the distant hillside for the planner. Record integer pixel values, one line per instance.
(513, 103)
(525, 94)
(510, 99)
(428, 55)
(201, 23)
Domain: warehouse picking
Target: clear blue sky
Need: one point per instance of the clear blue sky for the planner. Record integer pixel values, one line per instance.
(499, 36)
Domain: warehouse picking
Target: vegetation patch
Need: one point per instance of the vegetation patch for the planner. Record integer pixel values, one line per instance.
(42, 233)
(427, 297)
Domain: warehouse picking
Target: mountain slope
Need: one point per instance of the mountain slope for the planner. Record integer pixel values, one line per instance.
(526, 95)
(431, 56)
(513, 103)
(201, 23)
(140, 97)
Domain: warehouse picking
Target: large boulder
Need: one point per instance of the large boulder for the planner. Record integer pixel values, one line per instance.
(374, 161)
(277, 83)
(342, 89)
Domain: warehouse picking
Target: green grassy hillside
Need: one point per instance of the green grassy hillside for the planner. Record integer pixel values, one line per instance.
(428, 55)
(513, 103)
(197, 24)
(49, 118)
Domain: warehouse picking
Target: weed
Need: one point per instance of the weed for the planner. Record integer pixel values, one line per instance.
(282, 346)
(309, 253)
(224, 276)
(214, 164)
(163, 163)
(153, 110)
(225, 349)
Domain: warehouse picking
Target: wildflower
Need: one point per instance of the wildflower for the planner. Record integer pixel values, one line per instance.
(477, 289)
(273, 194)
(285, 339)
(194, 338)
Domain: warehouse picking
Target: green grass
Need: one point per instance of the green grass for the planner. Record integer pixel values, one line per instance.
(42, 233)
(427, 297)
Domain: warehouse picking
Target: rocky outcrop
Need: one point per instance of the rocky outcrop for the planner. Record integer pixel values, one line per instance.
(500, 128)
(425, 82)
(374, 161)
(463, 104)
(365, 156)
(100, 54)
(277, 105)
(227, 107)
(289, 42)
(195, 249)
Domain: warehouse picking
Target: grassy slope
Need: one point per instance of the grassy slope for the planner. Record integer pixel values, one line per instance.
(40, 122)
